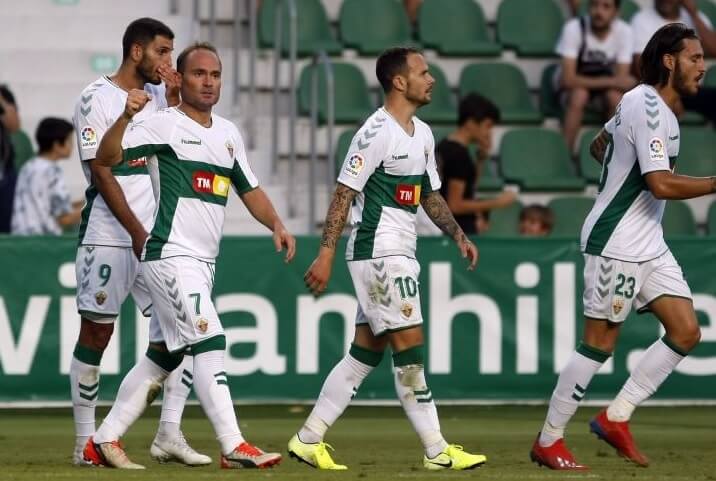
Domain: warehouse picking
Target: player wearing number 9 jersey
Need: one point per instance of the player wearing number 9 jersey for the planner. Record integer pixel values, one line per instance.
(627, 262)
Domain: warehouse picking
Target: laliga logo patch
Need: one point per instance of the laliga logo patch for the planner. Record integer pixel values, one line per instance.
(656, 149)
(354, 165)
(88, 138)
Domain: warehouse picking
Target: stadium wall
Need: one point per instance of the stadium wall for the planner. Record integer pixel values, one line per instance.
(498, 334)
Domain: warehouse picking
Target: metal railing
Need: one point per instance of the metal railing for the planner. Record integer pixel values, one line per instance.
(320, 60)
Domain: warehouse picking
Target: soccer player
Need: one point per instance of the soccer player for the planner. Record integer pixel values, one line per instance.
(107, 269)
(389, 170)
(627, 262)
(193, 156)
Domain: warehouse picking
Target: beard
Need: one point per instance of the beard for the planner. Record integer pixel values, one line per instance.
(680, 82)
(144, 69)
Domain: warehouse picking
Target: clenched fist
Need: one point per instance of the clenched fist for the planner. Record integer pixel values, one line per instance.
(136, 100)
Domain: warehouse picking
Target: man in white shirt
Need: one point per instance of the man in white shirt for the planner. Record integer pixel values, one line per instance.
(595, 63)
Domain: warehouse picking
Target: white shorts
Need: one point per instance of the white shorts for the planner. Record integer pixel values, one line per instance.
(181, 301)
(105, 277)
(612, 286)
(388, 293)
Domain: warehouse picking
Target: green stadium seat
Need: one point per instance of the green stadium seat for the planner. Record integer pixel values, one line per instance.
(710, 77)
(538, 160)
(697, 151)
(342, 146)
(711, 220)
(313, 30)
(22, 145)
(504, 222)
(530, 27)
(455, 28)
(627, 10)
(441, 109)
(590, 169)
(506, 86)
(550, 104)
(708, 7)
(692, 118)
(371, 26)
(352, 99)
(678, 219)
(569, 214)
(489, 180)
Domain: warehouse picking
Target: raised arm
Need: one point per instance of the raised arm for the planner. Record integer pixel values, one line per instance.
(109, 152)
(438, 211)
(260, 206)
(319, 273)
(665, 185)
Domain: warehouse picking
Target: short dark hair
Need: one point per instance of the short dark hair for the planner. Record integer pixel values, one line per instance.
(181, 59)
(669, 39)
(7, 95)
(51, 130)
(541, 212)
(478, 108)
(143, 31)
(617, 3)
(392, 62)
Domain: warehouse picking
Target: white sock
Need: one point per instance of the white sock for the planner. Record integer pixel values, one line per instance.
(139, 388)
(570, 390)
(176, 391)
(84, 386)
(417, 400)
(338, 389)
(654, 367)
(211, 387)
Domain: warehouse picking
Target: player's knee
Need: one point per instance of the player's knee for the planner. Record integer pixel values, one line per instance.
(690, 337)
(94, 335)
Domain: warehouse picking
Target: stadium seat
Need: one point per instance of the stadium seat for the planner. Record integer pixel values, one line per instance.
(352, 99)
(489, 180)
(569, 214)
(342, 146)
(506, 86)
(590, 169)
(455, 28)
(708, 7)
(678, 219)
(550, 104)
(530, 27)
(692, 118)
(710, 77)
(711, 220)
(313, 30)
(627, 10)
(504, 222)
(441, 109)
(696, 154)
(371, 26)
(538, 160)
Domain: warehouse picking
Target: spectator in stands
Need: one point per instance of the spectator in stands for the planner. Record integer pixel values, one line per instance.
(573, 7)
(42, 203)
(595, 64)
(20, 141)
(8, 174)
(648, 20)
(536, 220)
(460, 173)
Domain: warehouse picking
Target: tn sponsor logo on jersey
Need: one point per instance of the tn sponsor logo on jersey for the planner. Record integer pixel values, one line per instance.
(406, 194)
(88, 138)
(209, 183)
(656, 149)
(355, 164)
(140, 162)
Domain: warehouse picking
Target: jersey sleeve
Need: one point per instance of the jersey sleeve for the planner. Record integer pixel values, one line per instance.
(431, 179)
(367, 151)
(242, 177)
(649, 132)
(570, 40)
(91, 122)
(144, 138)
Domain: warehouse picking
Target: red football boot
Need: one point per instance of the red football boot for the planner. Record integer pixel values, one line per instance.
(617, 435)
(556, 456)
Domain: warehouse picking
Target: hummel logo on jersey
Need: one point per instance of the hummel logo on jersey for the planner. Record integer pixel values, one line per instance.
(191, 142)
(209, 183)
(400, 157)
(406, 194)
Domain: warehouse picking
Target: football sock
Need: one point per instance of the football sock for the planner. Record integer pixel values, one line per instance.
(417, 400)
(338, 389)
(84, 387)
(176, 391)
(652, 369)
(570, 390)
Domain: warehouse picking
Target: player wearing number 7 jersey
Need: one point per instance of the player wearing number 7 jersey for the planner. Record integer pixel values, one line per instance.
(388, 172)
(627, 262)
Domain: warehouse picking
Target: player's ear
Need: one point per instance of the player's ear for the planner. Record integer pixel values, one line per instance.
(399, 83)
(137, 52)
(669, 61)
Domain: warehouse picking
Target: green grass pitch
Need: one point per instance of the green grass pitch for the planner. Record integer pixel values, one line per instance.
(376, 444)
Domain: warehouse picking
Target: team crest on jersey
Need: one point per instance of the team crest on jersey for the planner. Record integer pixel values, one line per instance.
(406, 310)
(88, 138)
(617, 305)
(355, 164)
(100, 297)
(230, 148)
(202, 324)
(656, 149)
(407, 194)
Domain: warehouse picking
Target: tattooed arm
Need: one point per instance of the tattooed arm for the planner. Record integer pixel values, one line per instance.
(318, 274)
(436, 208)
(598, 147)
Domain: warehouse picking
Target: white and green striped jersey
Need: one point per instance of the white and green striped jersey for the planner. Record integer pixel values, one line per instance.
(389, 169)
(625, 222)
(98, 107)
(191, 168)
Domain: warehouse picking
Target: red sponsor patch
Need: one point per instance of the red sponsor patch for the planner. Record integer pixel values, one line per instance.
(406, 194)
(140, 162)
(203, 181)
